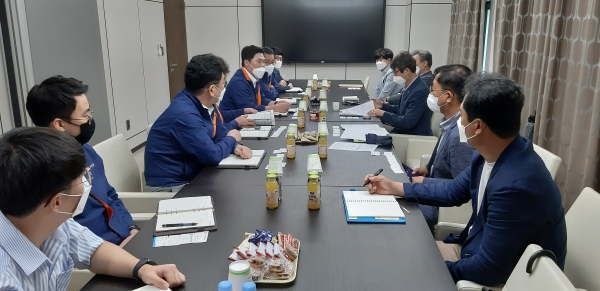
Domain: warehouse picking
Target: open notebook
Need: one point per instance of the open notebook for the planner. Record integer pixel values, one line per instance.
(263, 118)
(362, 207)
(233, 161)
(358, 110)
(189, 210)
(261, 132)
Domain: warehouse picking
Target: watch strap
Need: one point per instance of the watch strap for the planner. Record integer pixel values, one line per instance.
(140, 264)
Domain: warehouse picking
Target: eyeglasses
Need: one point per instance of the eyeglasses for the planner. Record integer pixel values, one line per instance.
(279, 58)
(88, 117)
(87, 182)
(431, 90)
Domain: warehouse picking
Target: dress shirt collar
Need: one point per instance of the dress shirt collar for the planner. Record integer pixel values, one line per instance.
(252, 78)
(446, 124)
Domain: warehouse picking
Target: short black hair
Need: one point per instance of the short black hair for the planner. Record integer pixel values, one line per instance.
(36, 163)
(403, 61)
(277, 51)
(203, 71)
(384, 53)
(248, 52)
(424, 56)
(453, 77)
(497, 100)
(268, 51)
(53, 98)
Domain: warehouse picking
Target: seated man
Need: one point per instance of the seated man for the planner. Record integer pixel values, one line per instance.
(515, 201)
(43, 184)
(386, 86)
(191, 133)
(424, 62)
(412, 115)
(278, 81)
(61, 103)
(266, 82)
(243, 90)
(450, 156)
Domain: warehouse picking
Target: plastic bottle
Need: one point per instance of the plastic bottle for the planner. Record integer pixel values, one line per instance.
(290, 142)
(323, 114)
(301, 118)
(314, 192)
(322, 145)
(272, 191)
(249, 286)
(225, 286)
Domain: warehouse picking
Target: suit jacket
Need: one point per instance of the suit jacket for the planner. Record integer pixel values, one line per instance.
(412, 116)
(275, 79)
(267, 88)
(522, 206)
(386, 86)
(241, 93)
(427, 78)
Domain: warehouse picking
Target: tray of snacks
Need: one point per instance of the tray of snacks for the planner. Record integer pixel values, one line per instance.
(273, 257)
(307, 137)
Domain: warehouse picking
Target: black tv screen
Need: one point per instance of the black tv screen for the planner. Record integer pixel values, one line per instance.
(329, 31)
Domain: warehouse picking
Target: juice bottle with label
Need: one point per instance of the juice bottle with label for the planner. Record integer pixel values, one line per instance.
(314, 192)
(301, 118)
(322, 145)
(290, 142)
(272, 191)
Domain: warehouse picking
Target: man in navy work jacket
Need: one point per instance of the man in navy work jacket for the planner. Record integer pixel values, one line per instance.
(450, 156)
(61, 103)
(279, 82)
(515, 201)
(243, 90)
(191, 133)
(266, 83)
(412, 115)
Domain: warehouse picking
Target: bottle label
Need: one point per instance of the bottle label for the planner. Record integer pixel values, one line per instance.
(322, 149)
(300, 121)
(272, 196)
(291, 149)
(314, 197)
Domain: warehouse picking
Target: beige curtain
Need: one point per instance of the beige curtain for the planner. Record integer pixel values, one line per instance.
(466, 33)
(552, 49)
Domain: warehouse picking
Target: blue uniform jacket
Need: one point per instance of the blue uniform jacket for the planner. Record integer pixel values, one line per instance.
(412, 116)
(241, 94)
(275, 79)
(522, 206)
(267, 88)
(94, 215)
(182, 141)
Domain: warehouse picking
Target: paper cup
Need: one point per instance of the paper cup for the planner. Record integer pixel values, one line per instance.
(239, 273)
(336, 106)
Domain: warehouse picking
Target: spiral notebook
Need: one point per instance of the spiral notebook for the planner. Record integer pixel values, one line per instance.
(362, 207)
(190, 210)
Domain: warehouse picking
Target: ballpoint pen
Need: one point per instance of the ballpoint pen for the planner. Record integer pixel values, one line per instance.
(376, 174)
(179, 224)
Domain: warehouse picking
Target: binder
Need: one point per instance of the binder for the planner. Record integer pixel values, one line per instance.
(363, 207)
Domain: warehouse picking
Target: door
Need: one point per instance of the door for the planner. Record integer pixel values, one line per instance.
(177, 56)
(156, 74)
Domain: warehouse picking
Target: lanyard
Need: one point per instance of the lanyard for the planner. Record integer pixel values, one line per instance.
(258, 97)
(214, 120)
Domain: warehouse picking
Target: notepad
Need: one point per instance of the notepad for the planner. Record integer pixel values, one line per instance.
(263, 118)
(351, 85)
(258, 132)
(295, 89)
(363, 207)
(198, 210)
(233, 161)
(358, 110)
(288, 100)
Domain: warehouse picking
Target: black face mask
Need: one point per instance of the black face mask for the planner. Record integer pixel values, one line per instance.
(87, 131)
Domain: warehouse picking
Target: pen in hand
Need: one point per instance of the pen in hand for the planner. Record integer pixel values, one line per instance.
(179, 224)
(376, 174)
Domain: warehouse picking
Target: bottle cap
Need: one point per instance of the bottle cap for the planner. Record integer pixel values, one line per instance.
(313, 173)
(322, 133)
(225, 286)
(313, 176)
(352, 189)
(249, 286)
(272, 175)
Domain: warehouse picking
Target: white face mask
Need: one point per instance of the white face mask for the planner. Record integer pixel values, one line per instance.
(461, 130)
(417, 70)
(87, 187)
(258, 72)
(381, 65)
(270, 69)
(399, 80)
(432, 102)
(278, 64)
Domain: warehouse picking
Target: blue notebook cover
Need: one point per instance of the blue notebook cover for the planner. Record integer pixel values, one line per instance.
(369, 219)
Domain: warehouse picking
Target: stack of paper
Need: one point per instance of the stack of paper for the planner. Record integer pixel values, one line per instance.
(354, 147)
(295, 89)
(179, 239)
(336, 130)
(350, 98)
(396, 167)
(359, 131)
(288, 100)
(263, 118)
(358, 110)
(260, 132)
(233, 161)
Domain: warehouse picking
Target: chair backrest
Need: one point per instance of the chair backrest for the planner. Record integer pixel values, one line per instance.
(366, 83)
(582, 264)
(436, 119)
(121, 169)
(551, 160)
(545, 274)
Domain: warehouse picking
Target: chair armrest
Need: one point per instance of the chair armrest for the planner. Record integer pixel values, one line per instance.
(417, 147)
(78, 279)
(444, 229)
(143, 202)
(425, 160)
(458, 214)
(400, 142)
(465, 285)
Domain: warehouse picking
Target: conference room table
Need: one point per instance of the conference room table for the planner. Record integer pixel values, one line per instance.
(334, 254)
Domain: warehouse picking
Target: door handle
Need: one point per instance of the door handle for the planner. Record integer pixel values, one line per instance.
(172, 65)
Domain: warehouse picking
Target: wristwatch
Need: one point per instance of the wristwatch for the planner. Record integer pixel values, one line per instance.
(140, 264)
(132, 227)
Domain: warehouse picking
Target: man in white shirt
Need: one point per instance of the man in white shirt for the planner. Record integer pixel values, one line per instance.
(43, 184)
(386, 86)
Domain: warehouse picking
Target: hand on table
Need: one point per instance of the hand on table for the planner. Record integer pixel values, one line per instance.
(377, 103)
(250, 111)
(376, 112)
(161, 276)
(235, 134)
(244, 122)
(243, 152)
(380, 185)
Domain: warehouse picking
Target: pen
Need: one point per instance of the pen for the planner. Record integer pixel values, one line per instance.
(376, 174)
(404, 209)
(179, 224)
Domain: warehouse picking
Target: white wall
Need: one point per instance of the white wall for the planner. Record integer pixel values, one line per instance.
(6, 117)
(224, 27)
